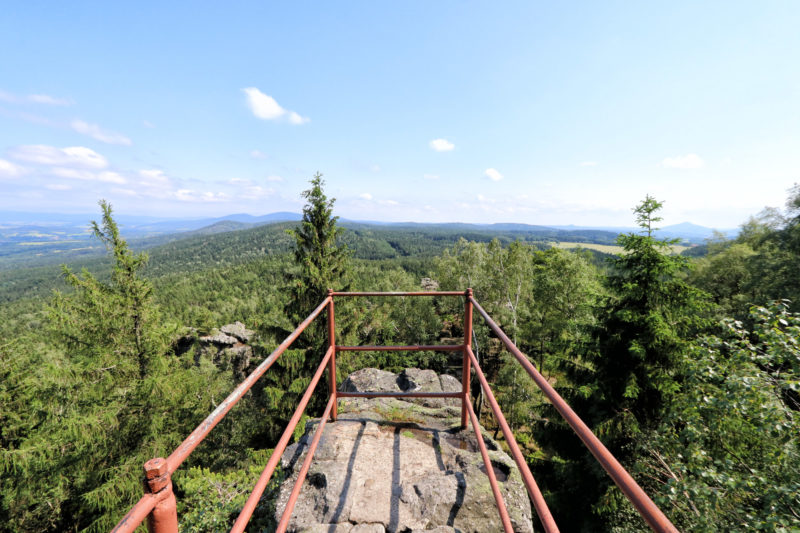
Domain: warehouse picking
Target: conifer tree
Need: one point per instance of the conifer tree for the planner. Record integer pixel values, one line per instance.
(629, 372)
(322, 263)
(110, 399)
(322, 259)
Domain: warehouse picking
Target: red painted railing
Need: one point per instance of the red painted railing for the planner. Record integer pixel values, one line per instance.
(158, 505)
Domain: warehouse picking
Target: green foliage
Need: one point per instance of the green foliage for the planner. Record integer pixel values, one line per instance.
(211, 501)
(322, 260)
(727, 454)
(628, 374)
(107, 398)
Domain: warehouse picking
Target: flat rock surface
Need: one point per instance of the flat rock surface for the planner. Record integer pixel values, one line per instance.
(400, 466)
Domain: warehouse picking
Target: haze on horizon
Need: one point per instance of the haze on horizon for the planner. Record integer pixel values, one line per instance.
(454, 111)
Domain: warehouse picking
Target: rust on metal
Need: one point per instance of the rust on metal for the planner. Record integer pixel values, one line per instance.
(411, 348)
(164, 516)
(420, 293)
(498, 497)
(298, 484)
(266, 475)
(137, 514)
(399, 394)
(332, 346)
(197, 436)
(654, 517)
(465, 362)
(539, 503)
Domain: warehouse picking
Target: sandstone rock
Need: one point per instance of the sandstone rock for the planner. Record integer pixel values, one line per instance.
(238, 330)
(219, 338)
(371, 380)
(375, 470)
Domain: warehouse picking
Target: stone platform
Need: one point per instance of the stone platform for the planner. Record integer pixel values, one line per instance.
(400, 465)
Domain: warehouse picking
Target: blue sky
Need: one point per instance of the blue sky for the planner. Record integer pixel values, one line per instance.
(531, 112)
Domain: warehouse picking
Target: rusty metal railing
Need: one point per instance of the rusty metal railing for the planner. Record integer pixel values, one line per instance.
(158, 505)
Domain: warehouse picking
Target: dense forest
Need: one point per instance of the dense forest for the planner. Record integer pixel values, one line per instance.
(687, 368)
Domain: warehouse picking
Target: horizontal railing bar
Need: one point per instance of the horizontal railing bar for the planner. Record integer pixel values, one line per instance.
(409, 348)
(399, 394)
(301, 477)
(421, 293)
(498, 497)
(137, 514)
(655, 518)
(197, 436)
(545, 516)
(266, 474)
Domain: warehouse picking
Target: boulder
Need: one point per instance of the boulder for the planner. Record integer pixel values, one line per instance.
(239, 331)
(391, 465)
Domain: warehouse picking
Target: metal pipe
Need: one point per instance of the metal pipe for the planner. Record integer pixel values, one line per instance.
(545, 516)
(420, 293)
(412, 348)
(654, 517)
(197, 436)
(298, 485)
(332, 346)
(266, 474)
(399, 394)
(137, 514)
(498, 497)
(465, 361)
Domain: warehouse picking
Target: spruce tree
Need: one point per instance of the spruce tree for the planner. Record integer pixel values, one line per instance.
(321, 263)
(627, 375)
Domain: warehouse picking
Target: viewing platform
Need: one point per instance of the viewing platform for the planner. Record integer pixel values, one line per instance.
(395, 490)
(400, 464)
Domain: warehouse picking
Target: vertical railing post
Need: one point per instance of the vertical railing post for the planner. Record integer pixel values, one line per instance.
(465, 363)
(332, 363)
(164, 516)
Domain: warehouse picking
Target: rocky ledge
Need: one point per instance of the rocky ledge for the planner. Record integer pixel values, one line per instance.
(399, 465)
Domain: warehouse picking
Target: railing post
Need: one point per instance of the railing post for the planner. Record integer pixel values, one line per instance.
(332, 363)
(164, 516)
(465, 363)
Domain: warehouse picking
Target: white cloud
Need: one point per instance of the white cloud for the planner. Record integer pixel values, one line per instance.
(258, 154)
(274, 178)
(148, 124)
(441, 145)
(265, 107)
(375, 168)
(239, 181)
(78, 156)
(365, 196)
(493, 174)
(294, 118)
(49, 100)
(189, 195)
(589, 164)
(685, 162)
(389, 202)
(34, 98)
(96, 132)
(257, 192)
(88, 175)
(154, 179)
(432, 177)
(58, 187)
(9, 169)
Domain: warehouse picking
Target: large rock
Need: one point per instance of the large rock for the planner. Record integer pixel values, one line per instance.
(392, 465)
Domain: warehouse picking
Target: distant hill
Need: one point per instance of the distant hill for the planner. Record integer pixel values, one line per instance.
(685, 231)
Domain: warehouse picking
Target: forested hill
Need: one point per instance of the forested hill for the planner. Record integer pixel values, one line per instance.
(224, 244)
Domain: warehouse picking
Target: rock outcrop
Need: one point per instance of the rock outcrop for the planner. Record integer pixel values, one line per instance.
(400, 465)
(227, 347)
